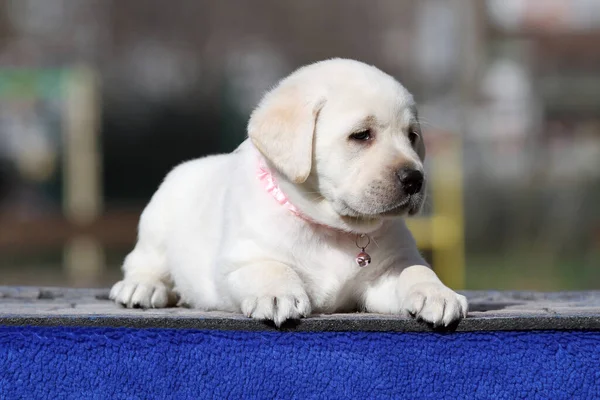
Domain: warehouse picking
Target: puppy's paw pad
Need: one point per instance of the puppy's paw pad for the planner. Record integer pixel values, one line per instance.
(435, 303)
(134, 294)
(278, 308)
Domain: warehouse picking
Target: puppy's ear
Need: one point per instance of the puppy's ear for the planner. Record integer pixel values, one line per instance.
(282, 128)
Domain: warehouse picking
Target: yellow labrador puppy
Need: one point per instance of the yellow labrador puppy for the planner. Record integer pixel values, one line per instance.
(305, 216)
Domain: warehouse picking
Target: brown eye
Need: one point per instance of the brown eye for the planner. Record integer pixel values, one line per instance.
(413, 136)
(362, 136)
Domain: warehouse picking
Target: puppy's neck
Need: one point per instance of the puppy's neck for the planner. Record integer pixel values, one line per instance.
(309, 205)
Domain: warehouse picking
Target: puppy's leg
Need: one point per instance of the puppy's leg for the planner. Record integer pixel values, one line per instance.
(416, 291)
(147, 282)
(269, 291)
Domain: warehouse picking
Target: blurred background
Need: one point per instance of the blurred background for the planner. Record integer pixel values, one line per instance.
(99, 99)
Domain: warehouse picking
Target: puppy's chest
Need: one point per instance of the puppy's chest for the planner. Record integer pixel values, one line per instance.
(329, 268)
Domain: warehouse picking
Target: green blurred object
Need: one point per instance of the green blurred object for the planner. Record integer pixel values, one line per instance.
(27, 84)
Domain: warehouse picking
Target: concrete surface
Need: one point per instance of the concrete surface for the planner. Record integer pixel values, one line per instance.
(489, 311)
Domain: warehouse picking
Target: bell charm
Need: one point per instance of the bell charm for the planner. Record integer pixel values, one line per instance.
(363, 259)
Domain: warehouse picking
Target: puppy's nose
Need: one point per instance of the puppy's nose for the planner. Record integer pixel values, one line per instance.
(411, 180)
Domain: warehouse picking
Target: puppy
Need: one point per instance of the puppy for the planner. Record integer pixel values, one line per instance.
(286, 225)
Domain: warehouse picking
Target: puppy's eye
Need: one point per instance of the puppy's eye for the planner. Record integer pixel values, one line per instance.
(413, 136)
(362, 136)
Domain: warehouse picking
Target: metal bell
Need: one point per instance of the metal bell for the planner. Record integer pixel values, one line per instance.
(363, 259)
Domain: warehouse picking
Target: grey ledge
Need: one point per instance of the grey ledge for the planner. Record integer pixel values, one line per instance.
(489, 311)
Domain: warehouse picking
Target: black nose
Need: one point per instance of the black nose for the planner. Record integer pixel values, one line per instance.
(411, 180)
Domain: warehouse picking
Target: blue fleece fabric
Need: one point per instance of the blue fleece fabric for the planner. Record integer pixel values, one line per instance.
(116, 363)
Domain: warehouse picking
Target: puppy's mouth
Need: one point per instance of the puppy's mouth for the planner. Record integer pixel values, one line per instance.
(409, 205)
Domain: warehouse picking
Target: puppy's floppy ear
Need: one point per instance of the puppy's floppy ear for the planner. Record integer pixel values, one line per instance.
(282, 128)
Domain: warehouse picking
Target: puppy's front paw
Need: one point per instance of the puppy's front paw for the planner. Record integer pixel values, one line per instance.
(277, 308)
(134, 294)
(435, 303)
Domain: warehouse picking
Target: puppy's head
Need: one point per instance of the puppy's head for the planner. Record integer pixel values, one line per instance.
(348, 132)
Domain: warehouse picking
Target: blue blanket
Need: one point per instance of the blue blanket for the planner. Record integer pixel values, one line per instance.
(117, 363)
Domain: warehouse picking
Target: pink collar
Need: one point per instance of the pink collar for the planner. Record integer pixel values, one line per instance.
(271, 186)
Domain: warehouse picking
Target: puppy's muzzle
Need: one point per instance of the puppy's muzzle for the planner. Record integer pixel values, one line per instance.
(411, 180)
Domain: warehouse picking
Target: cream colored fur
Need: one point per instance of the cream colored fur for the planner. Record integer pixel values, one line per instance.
(214, 237)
